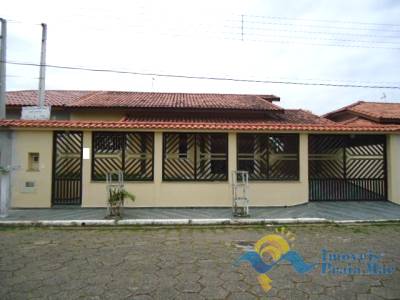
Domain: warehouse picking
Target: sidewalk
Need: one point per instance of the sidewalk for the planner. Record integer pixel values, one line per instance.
(314, 212)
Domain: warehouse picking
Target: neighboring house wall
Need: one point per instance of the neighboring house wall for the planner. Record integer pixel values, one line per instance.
(15, 114)
(149, 194)
(394, 168)
(82, 114)
(22, 193)
(60, 115)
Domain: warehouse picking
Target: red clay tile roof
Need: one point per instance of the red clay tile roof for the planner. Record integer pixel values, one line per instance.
(358, 121)
(149, 123)
(107, 99)
(289, 116)
(53, 98)
(376, 111)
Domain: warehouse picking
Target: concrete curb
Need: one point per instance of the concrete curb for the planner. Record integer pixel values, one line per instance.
(172, 222)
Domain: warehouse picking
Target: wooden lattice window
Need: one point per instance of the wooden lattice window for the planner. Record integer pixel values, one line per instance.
(268, 156)
(195, 157)
(130, 152)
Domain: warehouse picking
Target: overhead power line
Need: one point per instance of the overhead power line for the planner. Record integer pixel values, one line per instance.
(249, 36)
(317, 44)
(318, 26)
(322, 21)
(316, 32)
(327, 39)
(208, 77)
(251, 33)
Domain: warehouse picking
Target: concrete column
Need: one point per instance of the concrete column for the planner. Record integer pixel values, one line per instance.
(303, 160)
(86, 169)
(4, 194)
(157, 161)
(5, 163)
(393, 167)
(232, 149)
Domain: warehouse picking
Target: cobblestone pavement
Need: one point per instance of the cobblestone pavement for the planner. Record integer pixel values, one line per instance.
(185, 263)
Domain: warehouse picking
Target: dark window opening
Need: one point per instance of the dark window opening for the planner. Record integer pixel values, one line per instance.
(183, 146)
(246, 149)
(219, 163)
(268, 156)
(130, 152)
(195, 156)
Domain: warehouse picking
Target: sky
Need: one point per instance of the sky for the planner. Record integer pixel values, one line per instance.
(353, 42)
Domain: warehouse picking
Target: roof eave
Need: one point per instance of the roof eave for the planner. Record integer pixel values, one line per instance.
(110, 125)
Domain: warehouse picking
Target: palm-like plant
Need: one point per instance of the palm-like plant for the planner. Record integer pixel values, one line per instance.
(116, 199)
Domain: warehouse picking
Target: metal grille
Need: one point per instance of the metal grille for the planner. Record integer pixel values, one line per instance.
(269, 156)
(347, 167)
(131, 153)
(189, 156)
(67, 168)
(107, 153)
(138, 156)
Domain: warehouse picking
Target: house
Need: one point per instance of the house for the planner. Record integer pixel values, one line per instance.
(179, 150)
(367, 113)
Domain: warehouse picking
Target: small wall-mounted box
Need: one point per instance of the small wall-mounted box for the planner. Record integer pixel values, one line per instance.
(28, 187)
(86, 153)
(33, 161)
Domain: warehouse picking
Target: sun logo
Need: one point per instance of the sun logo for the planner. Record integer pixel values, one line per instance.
(271, 248)
(269, 251)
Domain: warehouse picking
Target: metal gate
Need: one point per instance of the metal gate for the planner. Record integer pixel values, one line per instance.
(347, 167)
(67, 168)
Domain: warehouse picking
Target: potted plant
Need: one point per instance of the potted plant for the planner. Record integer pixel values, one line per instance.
(116, 198)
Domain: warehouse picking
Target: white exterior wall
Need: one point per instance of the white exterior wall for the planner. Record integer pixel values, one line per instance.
(393, 167)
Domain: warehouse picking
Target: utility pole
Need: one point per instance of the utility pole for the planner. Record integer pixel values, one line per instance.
(39, 112)
(5, 143)
(242, 27)
(42, 76)
(3, 50)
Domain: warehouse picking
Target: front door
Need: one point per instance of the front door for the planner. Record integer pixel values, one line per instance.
(67, 168)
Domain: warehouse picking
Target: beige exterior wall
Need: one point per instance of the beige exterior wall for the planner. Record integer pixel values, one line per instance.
(148, 194)
(191, 194)
(40, 195)
(393, 166)
(159, 193)
(167, 194)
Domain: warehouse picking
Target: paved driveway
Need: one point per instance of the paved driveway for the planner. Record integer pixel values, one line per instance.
(189, 263)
